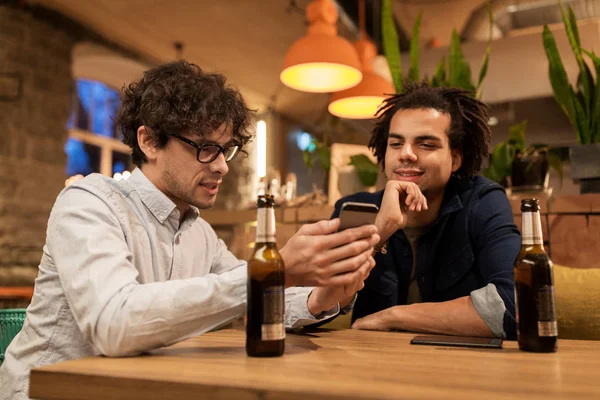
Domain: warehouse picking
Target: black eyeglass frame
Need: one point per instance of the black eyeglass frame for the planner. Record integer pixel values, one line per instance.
(200, 147)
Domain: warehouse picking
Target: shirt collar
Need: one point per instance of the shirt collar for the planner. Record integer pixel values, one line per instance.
(156, 201)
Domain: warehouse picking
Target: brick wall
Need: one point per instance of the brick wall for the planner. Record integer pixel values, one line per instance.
(32, 136)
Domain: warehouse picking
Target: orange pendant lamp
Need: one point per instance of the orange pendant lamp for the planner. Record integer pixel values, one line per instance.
(321, 61)
(363, 100)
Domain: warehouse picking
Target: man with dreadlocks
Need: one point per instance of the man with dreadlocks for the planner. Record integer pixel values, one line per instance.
(448, 241)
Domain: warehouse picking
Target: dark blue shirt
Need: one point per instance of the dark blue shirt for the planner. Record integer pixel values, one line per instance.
(473, 242)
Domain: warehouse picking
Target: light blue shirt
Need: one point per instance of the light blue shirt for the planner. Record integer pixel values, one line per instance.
(120, 275)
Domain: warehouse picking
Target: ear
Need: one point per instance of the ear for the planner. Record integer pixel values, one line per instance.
(146, 143)
(456, 160)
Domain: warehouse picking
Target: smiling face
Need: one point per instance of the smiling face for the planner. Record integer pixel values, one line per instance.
(176, 172)
(418, 149)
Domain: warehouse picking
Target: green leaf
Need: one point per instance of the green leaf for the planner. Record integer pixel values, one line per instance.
(573, 35)
(455, 58)
(413, 72)
(366, 169)
(324, 157)
(440, 74)
(307, 157)
(391, 47)
(595, 107)
(459, 74)
(556, 163)
(516, 136)
(488, 51)
(500, 162)
(558, 77)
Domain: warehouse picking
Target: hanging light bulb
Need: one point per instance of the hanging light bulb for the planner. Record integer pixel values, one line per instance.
(321, 61)
(362, 100)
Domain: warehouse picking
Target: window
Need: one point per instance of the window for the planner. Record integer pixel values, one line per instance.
(94, 144)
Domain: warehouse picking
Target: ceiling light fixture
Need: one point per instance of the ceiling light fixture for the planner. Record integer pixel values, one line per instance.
(363, 100)
(321, 61)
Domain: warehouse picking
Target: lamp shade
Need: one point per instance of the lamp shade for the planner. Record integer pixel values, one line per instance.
(321, 61)
(363, 100)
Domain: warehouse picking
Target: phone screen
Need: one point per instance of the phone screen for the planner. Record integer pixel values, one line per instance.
(459, 341)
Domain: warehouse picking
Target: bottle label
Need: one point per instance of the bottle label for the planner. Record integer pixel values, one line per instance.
(265, 225)
(273, 307)
(531, 232)
(546, 312)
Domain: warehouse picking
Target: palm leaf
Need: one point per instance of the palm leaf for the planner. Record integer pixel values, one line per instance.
(391, 47)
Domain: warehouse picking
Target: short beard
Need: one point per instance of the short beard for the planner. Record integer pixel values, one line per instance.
(176, 190)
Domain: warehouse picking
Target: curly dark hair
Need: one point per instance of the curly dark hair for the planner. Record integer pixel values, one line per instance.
(469, 131)
(179, 97)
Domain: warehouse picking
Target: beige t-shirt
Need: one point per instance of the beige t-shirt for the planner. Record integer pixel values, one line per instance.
(413, 235)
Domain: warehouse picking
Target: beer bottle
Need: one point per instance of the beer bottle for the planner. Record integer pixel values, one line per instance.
(534, 286)
(265, 330)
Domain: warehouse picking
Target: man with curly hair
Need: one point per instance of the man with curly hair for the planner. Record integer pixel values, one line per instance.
(448, 241)
(130, 266)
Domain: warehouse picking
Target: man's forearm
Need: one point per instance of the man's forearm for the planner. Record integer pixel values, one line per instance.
(454, 317)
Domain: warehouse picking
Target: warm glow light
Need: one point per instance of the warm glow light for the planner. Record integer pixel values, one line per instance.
(361, 107)
(72, 179)
(261, 149)
(126, 175)
(321, 61)
(117, 176)
(320, 77)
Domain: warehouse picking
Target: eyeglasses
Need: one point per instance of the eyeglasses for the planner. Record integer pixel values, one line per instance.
(207, 153)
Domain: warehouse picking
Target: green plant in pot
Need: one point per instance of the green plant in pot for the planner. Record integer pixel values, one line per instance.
(522, 167)
(580, 103)
(455, 72)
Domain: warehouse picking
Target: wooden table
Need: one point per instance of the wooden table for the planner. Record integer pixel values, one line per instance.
(328, 365)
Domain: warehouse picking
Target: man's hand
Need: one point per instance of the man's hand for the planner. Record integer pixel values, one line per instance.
(317, 255)
(380, 321)
(453, 317)
(399, 198)
(325, 298)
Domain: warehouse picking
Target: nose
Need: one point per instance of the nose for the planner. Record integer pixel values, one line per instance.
(219, 165)
(407, 153)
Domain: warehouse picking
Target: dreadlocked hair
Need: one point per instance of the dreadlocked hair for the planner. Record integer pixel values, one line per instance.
(469, 131)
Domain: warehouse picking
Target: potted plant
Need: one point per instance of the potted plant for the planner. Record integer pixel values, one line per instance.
(456, 72)
(514, 165)
(581, 103)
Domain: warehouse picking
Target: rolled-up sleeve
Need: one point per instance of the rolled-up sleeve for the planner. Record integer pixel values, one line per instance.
(490, 307)
(496, 242)
(296, 309)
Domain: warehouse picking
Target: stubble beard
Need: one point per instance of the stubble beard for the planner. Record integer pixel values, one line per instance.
(177, 190)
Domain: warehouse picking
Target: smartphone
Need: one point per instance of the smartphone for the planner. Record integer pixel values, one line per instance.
(355, 214)
(458, 341)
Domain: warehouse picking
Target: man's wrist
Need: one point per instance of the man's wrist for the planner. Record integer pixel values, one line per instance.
(316, 304)
(384, 228)
(289, 279)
